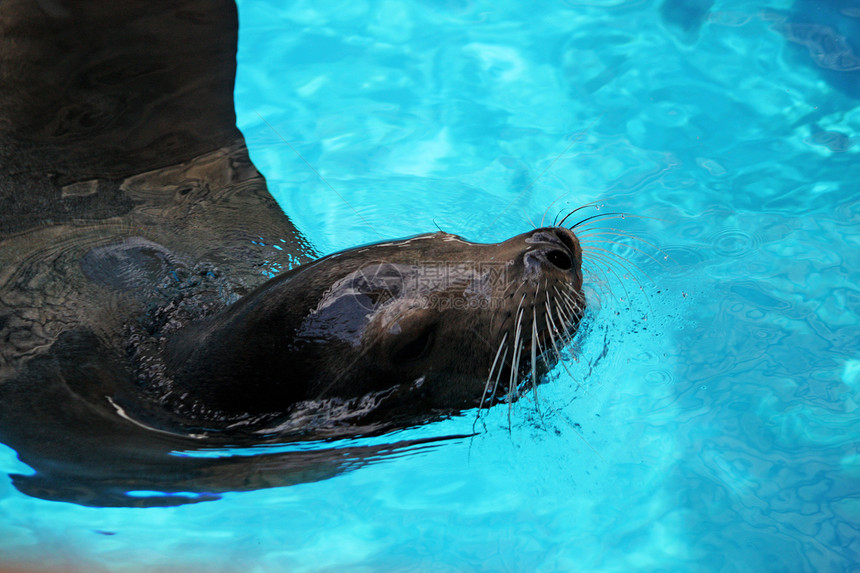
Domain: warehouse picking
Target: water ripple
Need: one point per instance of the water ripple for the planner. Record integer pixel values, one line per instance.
(734, 243)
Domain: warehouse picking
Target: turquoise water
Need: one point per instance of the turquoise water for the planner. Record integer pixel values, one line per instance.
(708, 417)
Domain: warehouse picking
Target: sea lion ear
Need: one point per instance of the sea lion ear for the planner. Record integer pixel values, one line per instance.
(415, 344)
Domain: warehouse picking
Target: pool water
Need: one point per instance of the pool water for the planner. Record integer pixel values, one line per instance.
(707, 419)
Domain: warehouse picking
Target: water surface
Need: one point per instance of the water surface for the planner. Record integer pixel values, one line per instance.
(707, 420)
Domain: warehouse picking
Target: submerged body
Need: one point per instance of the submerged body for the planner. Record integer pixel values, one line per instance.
(137, 316)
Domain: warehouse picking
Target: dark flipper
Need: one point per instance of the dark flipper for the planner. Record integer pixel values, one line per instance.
(95, 92)
(124, 185)
(93, 89)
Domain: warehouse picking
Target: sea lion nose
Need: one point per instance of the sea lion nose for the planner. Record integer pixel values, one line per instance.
(551, 248)
(558, 258)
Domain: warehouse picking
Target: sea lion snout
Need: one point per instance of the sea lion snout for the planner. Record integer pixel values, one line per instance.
(551, 250)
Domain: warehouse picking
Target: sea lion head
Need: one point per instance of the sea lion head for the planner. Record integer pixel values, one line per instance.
(405, 329)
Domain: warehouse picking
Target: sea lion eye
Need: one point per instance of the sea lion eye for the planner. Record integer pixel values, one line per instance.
(415, 347)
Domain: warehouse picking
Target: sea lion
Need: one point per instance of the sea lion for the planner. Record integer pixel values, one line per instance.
(394, 332)
(138, 316)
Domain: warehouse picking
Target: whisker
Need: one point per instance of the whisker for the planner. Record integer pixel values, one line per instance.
(563, 321)
(555, 346)
(502, 344)
(515, 358)
(609, 262)
(563, 317)
(614, 215)
(535, 342)
(578, 386)
(498, 377)
(590, 267)
(600, 231)
(560, 332)
(556, 200)
(629, 247)
(574, 296)
(621, 262)
(575, 311)
(580, 208)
